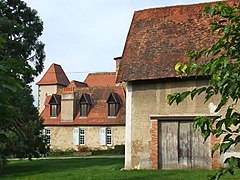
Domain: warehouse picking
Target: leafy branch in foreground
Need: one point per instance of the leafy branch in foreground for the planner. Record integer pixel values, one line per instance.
(222, 70)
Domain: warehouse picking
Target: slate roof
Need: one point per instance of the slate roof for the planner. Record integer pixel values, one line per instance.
(159, 37)
(55, 99)
(54, 75)
(101, 79)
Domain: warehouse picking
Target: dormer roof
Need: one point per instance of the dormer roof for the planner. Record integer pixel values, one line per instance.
(114, 97)
(86, 98)
(55, 99)
(54, 75)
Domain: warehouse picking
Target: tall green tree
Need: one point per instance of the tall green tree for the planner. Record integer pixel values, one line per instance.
(223, 71)
(21, 59)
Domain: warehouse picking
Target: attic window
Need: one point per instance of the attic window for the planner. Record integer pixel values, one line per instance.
(86, 103)
(55, 103)
(114, 104)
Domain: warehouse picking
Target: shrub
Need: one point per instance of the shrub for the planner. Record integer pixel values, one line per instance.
(118, 149)
(83, 149)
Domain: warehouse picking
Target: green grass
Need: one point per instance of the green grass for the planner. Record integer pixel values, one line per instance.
(100, 169)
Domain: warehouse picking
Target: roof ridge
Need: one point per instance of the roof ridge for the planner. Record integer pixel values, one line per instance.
(179, 5)
(99, 73)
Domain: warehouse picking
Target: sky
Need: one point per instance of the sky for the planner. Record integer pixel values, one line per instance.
(84, 36)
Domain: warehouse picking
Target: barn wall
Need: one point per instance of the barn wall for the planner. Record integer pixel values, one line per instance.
(148, 98)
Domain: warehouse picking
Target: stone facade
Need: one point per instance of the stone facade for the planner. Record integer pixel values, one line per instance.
(62, 137)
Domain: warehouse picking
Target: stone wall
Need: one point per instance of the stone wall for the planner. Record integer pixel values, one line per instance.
(62, 137)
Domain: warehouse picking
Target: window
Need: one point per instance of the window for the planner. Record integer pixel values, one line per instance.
(109, 137)
(55, 105)
(106, 136)
(81, 136)
(84, 109)
(112, 109)
(78, 136)
(114, 104)
(47, 136)
(53, 110)
(86, 103)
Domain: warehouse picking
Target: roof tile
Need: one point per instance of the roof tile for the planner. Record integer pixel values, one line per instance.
(101, 79)
(54, 75)
(158, 38)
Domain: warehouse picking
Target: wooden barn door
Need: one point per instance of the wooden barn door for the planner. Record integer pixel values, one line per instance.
(179, 146)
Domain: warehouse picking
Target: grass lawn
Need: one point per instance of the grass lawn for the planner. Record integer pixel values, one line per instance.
(84, 169)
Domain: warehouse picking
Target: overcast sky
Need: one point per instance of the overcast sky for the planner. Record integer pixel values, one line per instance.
(85, 35)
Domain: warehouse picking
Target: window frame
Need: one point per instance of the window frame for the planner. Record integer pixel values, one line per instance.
(108, 136)
(55, 103)
(114, 105)
(81, 136)
(47, 132)
(86, 102)
(53, 111)
(84, 112)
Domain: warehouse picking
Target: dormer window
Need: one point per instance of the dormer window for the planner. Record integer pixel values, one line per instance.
(114, 104)
(86, 103)
(55, 103)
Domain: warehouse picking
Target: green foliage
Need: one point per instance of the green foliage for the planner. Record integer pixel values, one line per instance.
(60, 152)
(20, 28)
(21, 59)
(222, 69)
(118, 149)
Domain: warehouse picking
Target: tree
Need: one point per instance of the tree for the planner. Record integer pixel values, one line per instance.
(24, 133)
(21, 59)
(222, 69)
(20, 28)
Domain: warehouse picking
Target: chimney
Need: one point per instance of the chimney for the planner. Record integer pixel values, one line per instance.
(118, 61)
(68, 106)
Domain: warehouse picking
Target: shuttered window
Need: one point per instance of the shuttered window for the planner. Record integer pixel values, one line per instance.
(53, 110)
(106, 136)
(83, 110)
(111, 109)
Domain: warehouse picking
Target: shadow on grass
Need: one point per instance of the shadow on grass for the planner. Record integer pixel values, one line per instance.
(30, 168)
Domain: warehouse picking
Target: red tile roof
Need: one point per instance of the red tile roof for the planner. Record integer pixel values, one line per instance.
(101, 79)
(158, 38)
(77, 84)
(99, 112)
(54, 75)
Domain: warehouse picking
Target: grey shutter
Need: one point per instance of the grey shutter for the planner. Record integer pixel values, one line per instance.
(76, 136)
(102, 136)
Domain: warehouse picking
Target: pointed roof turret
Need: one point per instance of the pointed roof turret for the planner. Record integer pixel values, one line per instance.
(54, 75)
